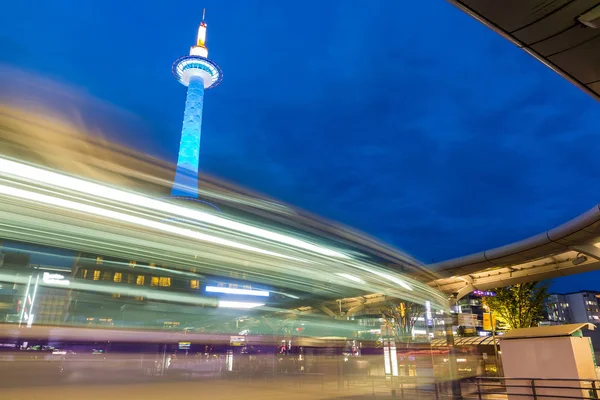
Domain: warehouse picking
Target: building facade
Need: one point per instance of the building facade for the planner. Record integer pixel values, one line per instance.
(571, 308)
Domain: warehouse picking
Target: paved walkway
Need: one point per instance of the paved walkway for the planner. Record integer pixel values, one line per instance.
(210, 389)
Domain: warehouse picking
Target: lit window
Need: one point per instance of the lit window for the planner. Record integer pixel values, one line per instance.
(130, 279)
(132, 264)
(98, 260)
(165, 281)
(154, 281)
(116, 295)
(139, 297)
(84, 273)
(96, 275)
(195, 284)
(118, 277)
(140, 280)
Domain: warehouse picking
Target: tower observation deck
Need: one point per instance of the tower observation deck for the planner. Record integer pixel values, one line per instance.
(198, 73)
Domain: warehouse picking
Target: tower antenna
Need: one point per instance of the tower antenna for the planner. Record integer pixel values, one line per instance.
(203, 14)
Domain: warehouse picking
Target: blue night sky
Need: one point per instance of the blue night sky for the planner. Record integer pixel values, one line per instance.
(407, 120)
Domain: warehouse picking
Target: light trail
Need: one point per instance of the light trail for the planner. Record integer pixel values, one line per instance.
(71, 205)
(227, 290)
(42, 176)
(372, 278)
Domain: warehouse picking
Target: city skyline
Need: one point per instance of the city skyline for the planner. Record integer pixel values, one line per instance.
(322, 118)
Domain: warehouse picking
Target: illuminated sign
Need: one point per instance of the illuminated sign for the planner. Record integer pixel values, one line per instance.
(482, 293)
(237, 340)
(488, 321)
(55, 279)
(185, 345)
(467, 320)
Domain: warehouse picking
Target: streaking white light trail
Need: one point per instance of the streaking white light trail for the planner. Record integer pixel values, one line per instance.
(392, 279)
(248, 292)
(351, 278)
(385, 276)
(28, 172)
(71, 205)
(238, 304)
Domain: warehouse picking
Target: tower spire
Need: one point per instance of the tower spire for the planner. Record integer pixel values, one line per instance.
(200, 48)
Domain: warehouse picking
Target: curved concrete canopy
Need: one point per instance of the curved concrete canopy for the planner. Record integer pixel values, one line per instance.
(550, 31)
(570, 248)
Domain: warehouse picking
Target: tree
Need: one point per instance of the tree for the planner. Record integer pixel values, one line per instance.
(401, 316)
(519, 306)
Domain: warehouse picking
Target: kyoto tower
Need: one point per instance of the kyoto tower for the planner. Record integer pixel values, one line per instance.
(198, 73)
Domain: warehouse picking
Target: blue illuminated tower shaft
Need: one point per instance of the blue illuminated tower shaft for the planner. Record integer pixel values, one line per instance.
(186, 177)
(198, 73)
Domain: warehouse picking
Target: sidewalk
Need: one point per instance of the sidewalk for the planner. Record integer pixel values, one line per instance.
(208, 389)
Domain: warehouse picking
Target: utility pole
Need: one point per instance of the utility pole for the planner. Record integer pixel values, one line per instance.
(449, 322)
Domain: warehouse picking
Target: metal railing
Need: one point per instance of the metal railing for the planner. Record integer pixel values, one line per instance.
(538, 388)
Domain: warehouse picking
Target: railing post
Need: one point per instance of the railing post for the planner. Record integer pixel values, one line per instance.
(478, 388)
(402, 389)
(533, 391)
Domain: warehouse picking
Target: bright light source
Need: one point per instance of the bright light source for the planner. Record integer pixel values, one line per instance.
(55, 279)
(351, 277)
(247, 292)
(239, 304)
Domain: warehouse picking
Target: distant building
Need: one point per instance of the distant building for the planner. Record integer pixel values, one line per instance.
(584, 306)
(99, 305)
(571, 308)
(559, 311)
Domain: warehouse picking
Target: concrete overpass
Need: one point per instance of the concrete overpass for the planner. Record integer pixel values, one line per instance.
(565, 36)
(568, 249)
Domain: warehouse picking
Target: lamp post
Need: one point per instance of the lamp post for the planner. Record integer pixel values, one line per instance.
(493, 329)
